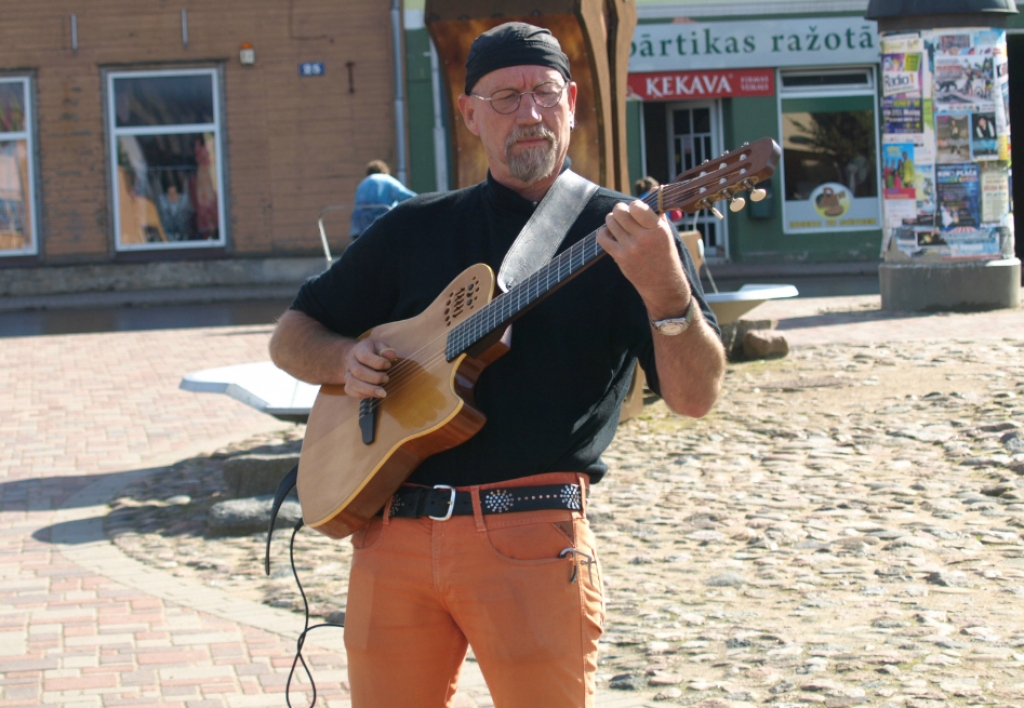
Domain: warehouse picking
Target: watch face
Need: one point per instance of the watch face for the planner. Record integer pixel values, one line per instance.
(671, 329)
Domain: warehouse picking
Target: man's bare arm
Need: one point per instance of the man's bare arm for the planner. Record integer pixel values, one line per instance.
(691, 365)
(310, 352)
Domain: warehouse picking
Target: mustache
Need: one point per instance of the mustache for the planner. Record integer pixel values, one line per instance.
(529, 131)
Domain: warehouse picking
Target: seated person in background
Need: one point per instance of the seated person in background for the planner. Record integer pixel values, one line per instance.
(379, 187)
(646, 185)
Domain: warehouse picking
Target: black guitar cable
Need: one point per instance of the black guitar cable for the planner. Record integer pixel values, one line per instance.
(286, 486)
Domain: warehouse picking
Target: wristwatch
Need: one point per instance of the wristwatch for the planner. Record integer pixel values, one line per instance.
(675, 325)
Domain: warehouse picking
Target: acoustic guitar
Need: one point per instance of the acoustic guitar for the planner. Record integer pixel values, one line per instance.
(357, 453)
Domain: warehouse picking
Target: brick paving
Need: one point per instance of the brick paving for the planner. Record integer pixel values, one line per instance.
(81, 416)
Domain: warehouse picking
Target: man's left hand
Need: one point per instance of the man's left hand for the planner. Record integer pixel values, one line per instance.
(644, 246)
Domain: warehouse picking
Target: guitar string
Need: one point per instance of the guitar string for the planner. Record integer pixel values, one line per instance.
(468, 331)
(484, 322)
(478, 325)
(466, 337)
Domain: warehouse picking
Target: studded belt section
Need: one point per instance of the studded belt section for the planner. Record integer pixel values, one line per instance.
(443, 502)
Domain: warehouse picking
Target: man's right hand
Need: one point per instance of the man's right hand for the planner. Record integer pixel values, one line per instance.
(312, 353)
(366, 364)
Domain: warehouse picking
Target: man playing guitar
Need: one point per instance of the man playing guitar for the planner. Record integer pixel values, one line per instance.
(488, 544)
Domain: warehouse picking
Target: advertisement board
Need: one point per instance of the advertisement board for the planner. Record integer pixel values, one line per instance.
(962, 200)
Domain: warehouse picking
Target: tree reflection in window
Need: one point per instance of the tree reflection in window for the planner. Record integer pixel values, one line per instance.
(830, 146)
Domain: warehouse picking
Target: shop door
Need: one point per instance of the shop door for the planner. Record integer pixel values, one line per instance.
(695, 136)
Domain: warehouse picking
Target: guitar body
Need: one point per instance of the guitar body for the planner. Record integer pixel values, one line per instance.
(344, 481)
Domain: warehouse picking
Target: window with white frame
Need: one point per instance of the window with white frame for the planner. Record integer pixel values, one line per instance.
(18, 231)
(829, 123)
(167, 176)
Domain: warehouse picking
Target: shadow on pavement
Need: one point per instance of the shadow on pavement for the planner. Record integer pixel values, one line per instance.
(49, 493)
(71, 492)
(72, 533)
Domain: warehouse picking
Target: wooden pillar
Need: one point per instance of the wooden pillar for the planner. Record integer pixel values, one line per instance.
(596, 36)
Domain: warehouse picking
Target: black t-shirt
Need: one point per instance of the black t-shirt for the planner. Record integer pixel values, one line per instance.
(552, 402)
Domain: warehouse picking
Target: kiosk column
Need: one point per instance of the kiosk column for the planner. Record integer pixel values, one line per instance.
(945, 156)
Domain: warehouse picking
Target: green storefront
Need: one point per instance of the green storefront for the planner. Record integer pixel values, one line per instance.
(707, 77)
(710, 81)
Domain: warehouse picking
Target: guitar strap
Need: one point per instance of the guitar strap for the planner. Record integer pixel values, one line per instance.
(546, 229)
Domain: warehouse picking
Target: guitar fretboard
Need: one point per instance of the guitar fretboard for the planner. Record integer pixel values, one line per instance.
(505, 308)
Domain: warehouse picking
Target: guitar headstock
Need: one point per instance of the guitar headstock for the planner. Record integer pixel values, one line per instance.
(720, 179)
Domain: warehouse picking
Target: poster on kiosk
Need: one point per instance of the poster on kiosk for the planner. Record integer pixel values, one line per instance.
(946, 145)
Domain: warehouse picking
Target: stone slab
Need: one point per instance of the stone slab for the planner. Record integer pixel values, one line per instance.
(950, 287)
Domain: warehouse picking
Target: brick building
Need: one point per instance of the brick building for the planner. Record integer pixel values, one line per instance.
(132, 134)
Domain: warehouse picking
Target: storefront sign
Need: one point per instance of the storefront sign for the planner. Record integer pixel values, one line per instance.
(676, 85)
(764, 43)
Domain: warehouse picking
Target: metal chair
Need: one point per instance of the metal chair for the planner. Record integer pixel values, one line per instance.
(336, 207)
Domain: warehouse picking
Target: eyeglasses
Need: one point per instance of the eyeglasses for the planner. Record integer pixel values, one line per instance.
(506, 101)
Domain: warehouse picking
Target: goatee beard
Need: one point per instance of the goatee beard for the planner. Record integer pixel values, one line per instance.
(531, 164)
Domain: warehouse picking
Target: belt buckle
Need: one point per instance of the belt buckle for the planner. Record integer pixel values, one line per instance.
(451, 503)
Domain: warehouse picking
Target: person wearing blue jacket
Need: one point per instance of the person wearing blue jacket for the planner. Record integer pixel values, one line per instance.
(379, 188)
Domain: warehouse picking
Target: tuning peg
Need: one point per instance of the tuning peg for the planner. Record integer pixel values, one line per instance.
(757, 194)
(705, 204)
(737, 203)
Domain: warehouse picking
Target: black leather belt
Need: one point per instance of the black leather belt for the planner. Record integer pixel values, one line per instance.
(443, 502)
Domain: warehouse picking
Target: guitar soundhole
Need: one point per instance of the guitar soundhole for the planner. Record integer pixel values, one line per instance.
(462, 300)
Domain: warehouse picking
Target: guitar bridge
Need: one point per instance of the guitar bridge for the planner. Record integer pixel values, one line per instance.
(368, 410)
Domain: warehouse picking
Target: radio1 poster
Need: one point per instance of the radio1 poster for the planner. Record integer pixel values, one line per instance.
(902, 96)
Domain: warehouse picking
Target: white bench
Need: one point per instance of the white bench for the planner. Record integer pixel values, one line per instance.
(260, 385)
(729, 307)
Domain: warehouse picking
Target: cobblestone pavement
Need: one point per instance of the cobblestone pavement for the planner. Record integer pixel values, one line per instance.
(843, 529)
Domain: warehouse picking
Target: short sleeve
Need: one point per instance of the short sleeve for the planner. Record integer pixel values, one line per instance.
(359, 291)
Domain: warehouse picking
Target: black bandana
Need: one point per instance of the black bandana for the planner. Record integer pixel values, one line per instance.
(514, 44)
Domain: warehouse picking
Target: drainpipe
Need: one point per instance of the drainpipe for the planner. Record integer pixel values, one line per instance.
(396, 35)
(440, 134)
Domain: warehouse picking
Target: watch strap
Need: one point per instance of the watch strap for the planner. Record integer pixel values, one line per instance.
(682, 322)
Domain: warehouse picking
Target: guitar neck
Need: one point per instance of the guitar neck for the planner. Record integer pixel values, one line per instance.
(694, 190)
(509, 306)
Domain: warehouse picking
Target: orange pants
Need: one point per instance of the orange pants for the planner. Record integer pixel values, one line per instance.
(421, 591)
